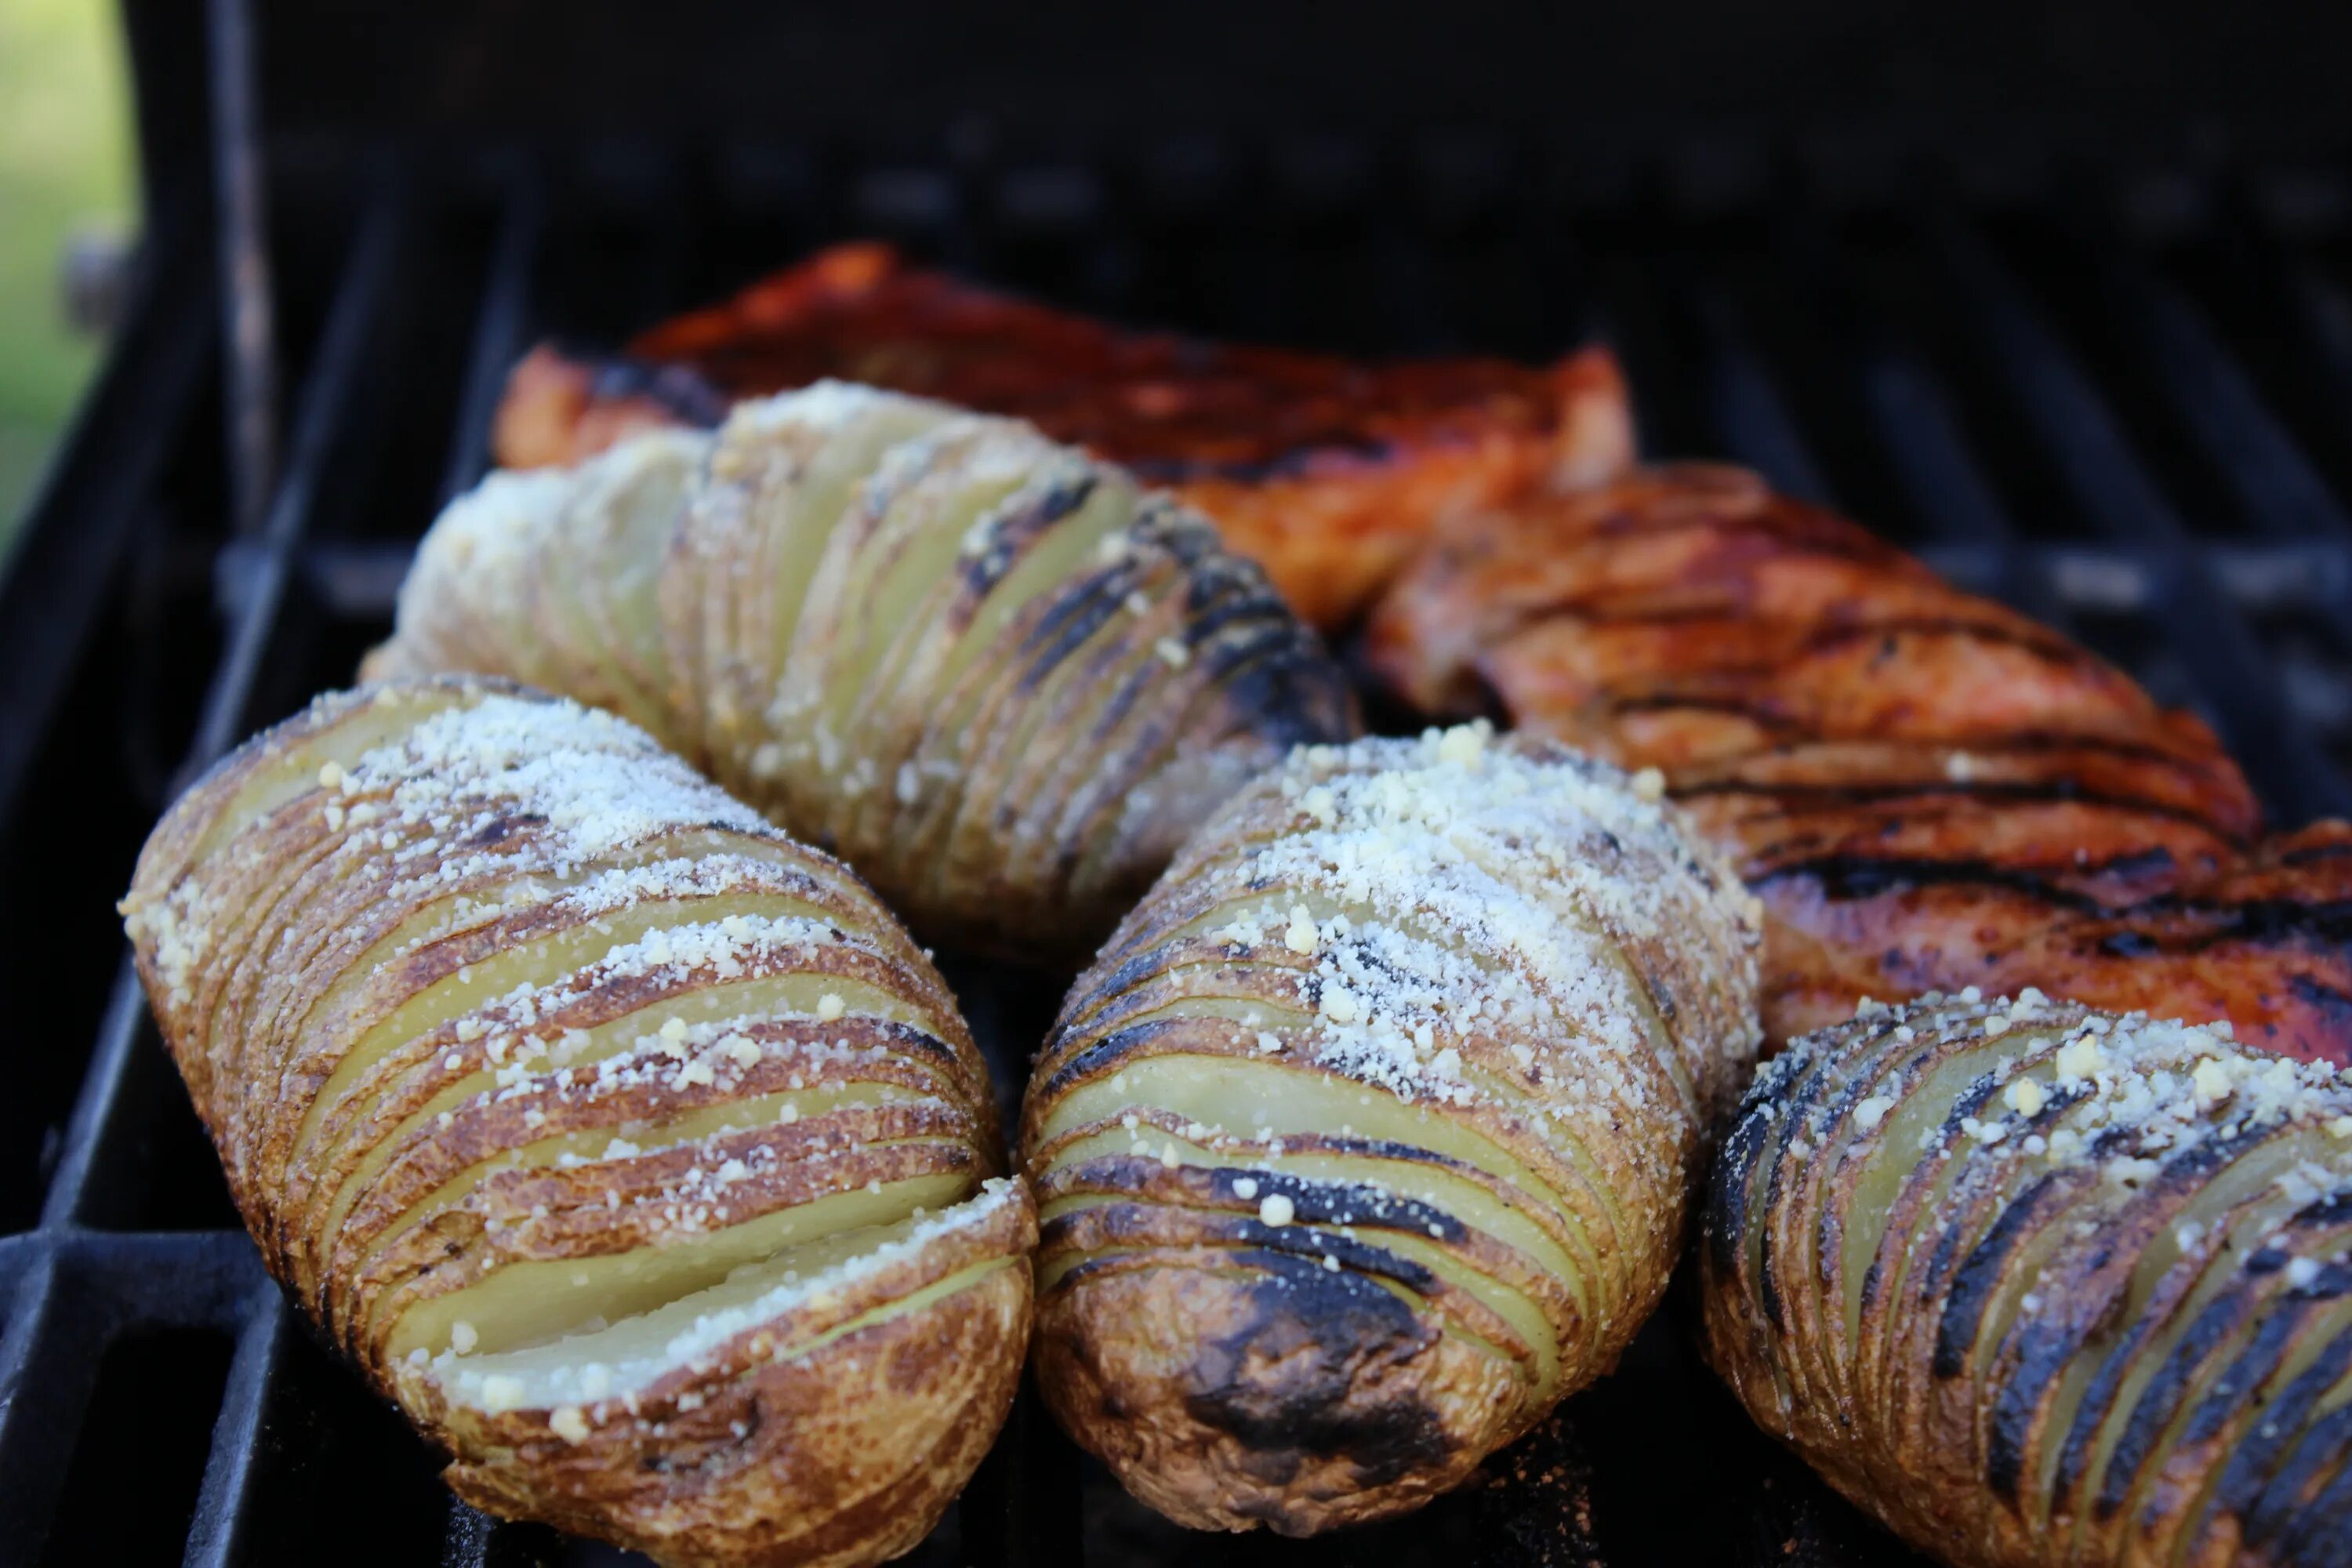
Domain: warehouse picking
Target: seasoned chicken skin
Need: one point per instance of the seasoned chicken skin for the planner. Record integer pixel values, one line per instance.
(1928, 790)
(1327, 472)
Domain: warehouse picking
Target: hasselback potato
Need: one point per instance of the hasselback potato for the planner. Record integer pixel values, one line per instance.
(995, 674)
(1371, 1133)
(2041, 1284)
(630, 1146)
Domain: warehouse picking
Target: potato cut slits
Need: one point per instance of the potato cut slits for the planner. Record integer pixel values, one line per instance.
(1370, 1132)
(995, 674)
(584, 1109)
(2039, 1284)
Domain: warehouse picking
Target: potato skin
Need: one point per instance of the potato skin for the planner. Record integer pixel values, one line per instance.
(1372, 1133)
(1285, 1397)
(995, 674)
(2036, 1284)
(845, 1455)
(463, 979)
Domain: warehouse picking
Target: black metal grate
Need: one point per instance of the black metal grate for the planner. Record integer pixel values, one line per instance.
(2124, 406)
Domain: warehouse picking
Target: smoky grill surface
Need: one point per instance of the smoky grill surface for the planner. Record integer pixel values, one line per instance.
(2124, 406)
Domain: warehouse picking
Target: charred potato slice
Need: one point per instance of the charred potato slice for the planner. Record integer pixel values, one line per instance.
(630, 1146)
(1371, 1133)
(992, 673)
(2041, 1285)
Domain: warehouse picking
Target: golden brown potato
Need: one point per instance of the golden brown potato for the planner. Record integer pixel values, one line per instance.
(630, 1146)
(1370, 1135)
(995, 674)
(2039, 1285)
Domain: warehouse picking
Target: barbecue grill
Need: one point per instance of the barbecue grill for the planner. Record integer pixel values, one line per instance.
(2092, 355)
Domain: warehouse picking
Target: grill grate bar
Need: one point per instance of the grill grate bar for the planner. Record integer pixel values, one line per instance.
(1713, 352)
(68, 555)
(48, 1367)
(1913, 414)
(2274, 483)
(1756, 421)
(80, 1288)
(95, 1112)
(2077, 429)
(358, 304)
(2082, 437)
(235, 1460)
(77, 1293)
(247, 301)
(498, 333)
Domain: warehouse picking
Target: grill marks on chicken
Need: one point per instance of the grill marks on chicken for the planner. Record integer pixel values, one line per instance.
(1325, 471)
(1928, 790)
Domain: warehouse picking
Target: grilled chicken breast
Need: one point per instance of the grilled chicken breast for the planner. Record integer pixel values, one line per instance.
(1325, 471)
(1928, 790)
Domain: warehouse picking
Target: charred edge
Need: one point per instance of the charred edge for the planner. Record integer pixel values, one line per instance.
(682, 391)
(1848, 878)
(1793, 1113)
(2056, 792)
(1011, 537)
(2325, 925)
(498, 830)
(2236, 1389)
(1294, 1379)
(1353, 1257)
(907, 1037)
(2042, 1354)
(1314, 1202)
(1972, 1284)
(1167, 525)
(1071, 620)
(2330, 1002)
(1295, 695)
(1343, 1203)
(2158, 1402)
(2317, 1533)
(2255, 1461)
(1106, 1052)
(1970, 1100)
(1724, 1225)
(2091, 1411)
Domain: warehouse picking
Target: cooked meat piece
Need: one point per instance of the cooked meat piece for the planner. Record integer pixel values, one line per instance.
(1326, 471)
(1928, 790)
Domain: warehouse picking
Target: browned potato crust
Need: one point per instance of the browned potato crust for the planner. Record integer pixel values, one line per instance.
(631, 1147)
(995, 674)
(1370, 1135)
(2039, 1285)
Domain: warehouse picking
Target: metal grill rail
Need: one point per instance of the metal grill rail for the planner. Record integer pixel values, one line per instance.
(2158, 470)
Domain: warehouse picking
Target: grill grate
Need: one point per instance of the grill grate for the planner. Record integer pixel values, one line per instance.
(2126, 407)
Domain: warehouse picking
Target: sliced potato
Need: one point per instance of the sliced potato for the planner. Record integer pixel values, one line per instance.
(630, 1145)
(1370, 1135)
(992, 673)
(2041, 1284)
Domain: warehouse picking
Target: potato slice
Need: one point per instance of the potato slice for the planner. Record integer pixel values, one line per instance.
(995, 674)
(1370, 1135)
(2038, 1284)
(618, 1137)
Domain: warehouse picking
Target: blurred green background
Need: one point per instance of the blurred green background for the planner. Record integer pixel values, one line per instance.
(68, 168)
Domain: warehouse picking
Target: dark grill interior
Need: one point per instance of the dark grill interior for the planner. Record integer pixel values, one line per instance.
(2124, 404)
